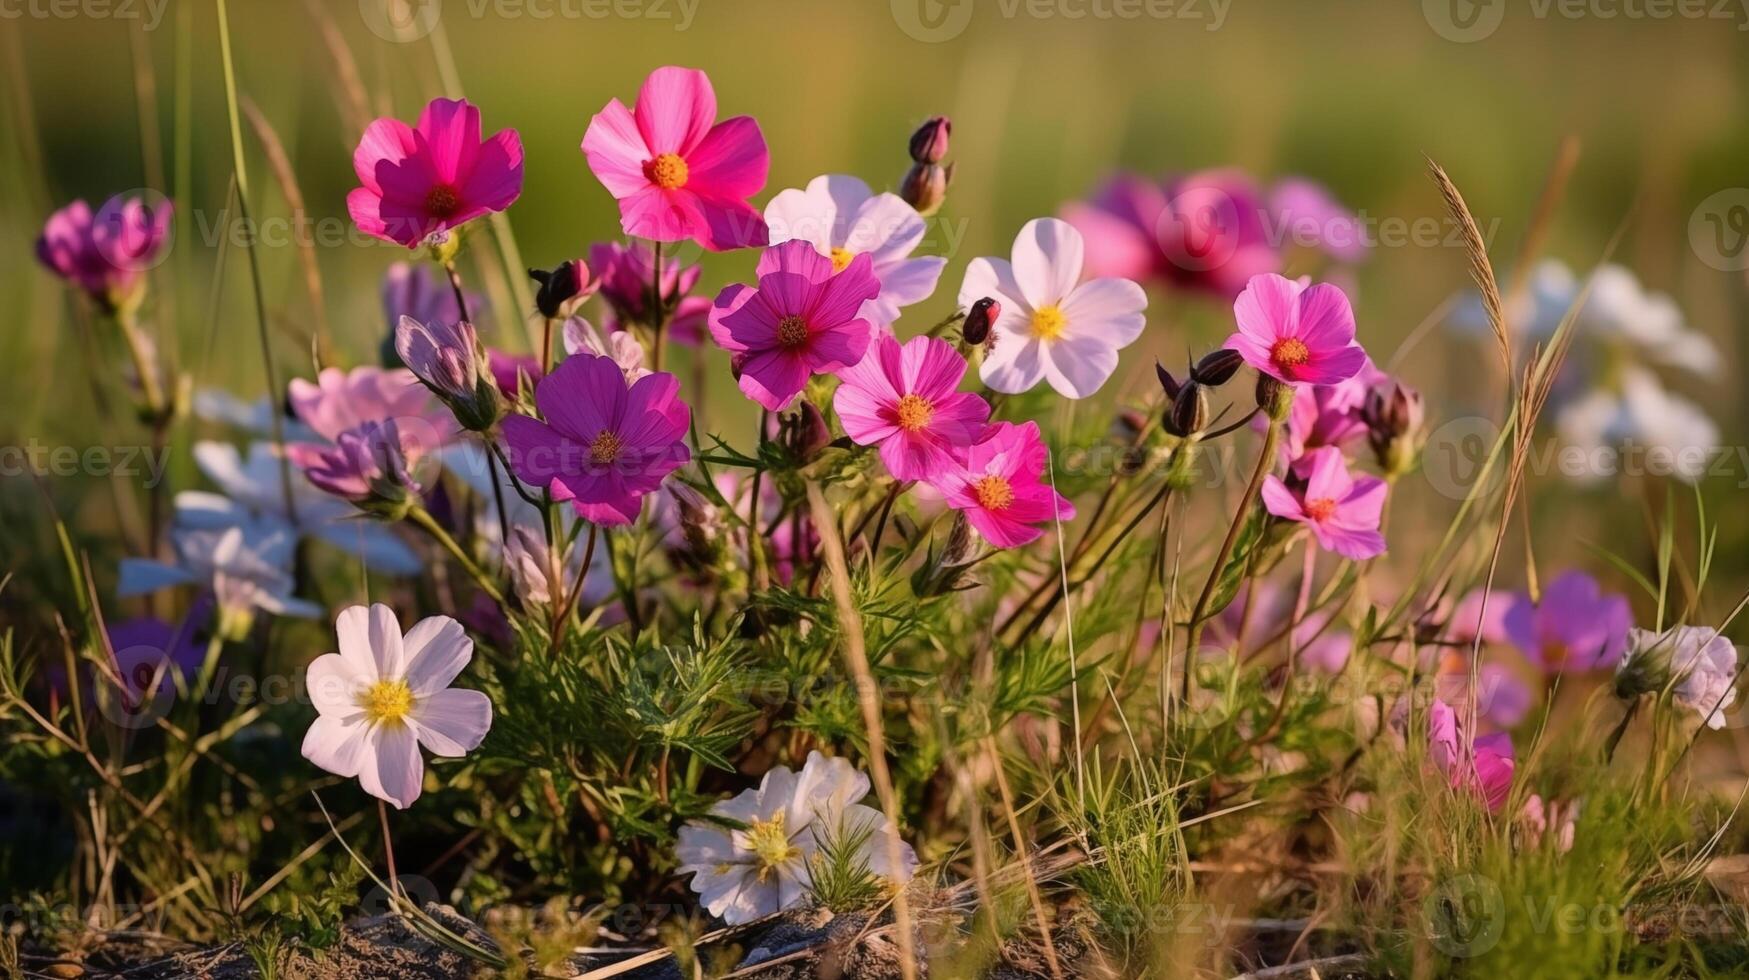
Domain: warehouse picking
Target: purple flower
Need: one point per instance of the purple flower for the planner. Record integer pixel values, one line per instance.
(371, 465)
(1576, 625)
(422, 292)
(106, 254)
(605, 442)
(625, 273)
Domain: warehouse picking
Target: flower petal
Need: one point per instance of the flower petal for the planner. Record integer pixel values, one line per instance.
(1047, 260)
(453, 722)
(675, 109)
(392, 770)
(437, 649)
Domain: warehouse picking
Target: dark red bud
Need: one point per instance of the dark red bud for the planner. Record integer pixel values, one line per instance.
(929, 143)
(979, 319)
(559, 286)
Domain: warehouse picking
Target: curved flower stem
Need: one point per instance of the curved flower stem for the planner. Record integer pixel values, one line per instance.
(1265, 458)
(425, 522)
(388, 849)
(515, 484)
(563, 618)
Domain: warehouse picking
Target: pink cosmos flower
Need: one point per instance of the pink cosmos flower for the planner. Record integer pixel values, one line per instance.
(1342, 512)
(842, 219)
(605, 442)
(433, 177)
(1053, 327)
(1330, 415)
(1000, 486)
(625, 275)
(1210, 231)
(676, 172)
(1576, 625)
(904, 399)
(340, 400)
(1488, 774)
(105, 254)
(802, 319)
(510, 370)
(1296, 332)
(384, 695)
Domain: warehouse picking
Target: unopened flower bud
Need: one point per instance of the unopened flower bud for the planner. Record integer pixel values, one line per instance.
(1170, 384)
(697, 541)
(979, 318)
(560, 287)
(805, 433)
(1189, 412)
(1395, 418)
(929, 143)
(1216, 367)
(531, 566)
(1274, 397)
(448, 358)
(945, 572)
(370, 465)
(925, 186)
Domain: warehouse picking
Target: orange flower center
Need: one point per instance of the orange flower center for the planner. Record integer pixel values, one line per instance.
(605, 449)
(442, 201)
(914, 412)
(792, 331)
(1321, 508)
(993, 492)
(841, 258)
(668, 171)
(1290, 352)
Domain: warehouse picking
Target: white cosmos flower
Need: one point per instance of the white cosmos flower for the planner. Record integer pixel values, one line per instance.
(383, 695)
(741, 875)
(247, 565)
(1053, 326)
(1703, 662)
(1667, 434)
(842, 219)
(253, 488)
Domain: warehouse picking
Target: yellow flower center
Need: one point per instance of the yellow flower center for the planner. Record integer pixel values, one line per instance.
(668, 171)
(442, 201)
(792, 331)
(1320, 509)
(1048, 323)
(993, 492)
(386, 702)
(1290, 352)
(605, 449)
(840, 258)
(914, 412)
(771, 845)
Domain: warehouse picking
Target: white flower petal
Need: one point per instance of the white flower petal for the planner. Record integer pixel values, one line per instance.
(1047, 260)
(1109, 309)
(340, 746)
(434, 652)
(392, 770)
(1015, 364)
(1078, 367)
(334, 685)
(454, 722)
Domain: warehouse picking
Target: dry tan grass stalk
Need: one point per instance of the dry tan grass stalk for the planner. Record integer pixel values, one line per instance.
(280, 164)
(1020, 849)
(354, 105)
(867, 695)
(1480, 269)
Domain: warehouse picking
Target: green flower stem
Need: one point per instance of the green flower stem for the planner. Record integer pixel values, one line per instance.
(425, 522)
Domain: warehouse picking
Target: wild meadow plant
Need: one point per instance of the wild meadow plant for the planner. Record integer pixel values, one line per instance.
(630, 685)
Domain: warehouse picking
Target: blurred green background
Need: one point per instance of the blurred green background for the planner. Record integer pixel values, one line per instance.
(1047, 98)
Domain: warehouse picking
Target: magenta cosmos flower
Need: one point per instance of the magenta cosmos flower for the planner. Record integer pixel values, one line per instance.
(625, 273)
(802, 319)
(1341, 511)
(605, 442)
(429, 178)
(675, 174)
(1488, 774)
(384, 695)
(1576, 626)
(1000, 487)
(904, 399)
(1296, 332)
(105, 254)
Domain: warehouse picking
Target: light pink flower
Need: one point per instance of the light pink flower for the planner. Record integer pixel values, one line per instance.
(1488, 774)
(905, 400)
(383, 695)
(1000, 488)
(802, 319)
(605, 442)
(1053, 327)
(676, 172)
(842, 219)
(1576, 626)
(340, 400)
(1342, 512)
(433, 177)
(1330, 415)
(582, 338)
(1296, 332)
